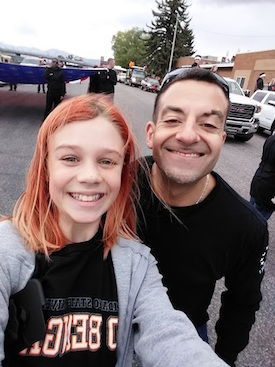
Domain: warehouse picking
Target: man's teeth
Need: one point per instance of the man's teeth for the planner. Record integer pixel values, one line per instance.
(188, 154)
(86, 197)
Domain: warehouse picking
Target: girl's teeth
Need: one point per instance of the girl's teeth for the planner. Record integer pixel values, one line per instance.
(86, 197)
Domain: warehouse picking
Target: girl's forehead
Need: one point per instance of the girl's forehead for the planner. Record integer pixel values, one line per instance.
(97, 131)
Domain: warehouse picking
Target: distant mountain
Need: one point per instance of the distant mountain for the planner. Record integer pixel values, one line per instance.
(33, 51)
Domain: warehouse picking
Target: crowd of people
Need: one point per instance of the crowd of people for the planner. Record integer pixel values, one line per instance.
(127, 250)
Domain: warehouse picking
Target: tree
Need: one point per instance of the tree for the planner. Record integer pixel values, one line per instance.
(129, 46)
(159, 40)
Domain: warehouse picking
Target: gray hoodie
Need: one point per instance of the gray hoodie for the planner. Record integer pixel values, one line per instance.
(148, 324)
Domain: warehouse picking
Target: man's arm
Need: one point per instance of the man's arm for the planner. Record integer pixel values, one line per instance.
(47, 74)
(242, 298)
(63, 84)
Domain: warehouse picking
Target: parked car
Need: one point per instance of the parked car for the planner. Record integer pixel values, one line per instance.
(266, 99)
(150, 84)
(242, 121)
(120, 74)
(134, 76)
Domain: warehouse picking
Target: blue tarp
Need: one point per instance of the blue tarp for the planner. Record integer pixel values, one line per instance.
(21, 74)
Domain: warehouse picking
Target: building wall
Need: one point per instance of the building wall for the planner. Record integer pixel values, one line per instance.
(250, 65)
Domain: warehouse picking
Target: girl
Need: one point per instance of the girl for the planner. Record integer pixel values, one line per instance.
(73, 229)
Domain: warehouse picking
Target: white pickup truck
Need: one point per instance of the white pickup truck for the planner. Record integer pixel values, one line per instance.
(266, 99)
(242, 121)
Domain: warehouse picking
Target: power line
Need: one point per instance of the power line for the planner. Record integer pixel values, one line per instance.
(234, 35)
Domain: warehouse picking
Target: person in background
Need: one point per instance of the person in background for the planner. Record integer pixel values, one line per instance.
(262, 188)
(271, 85)
(56, 86)
(13, 86)
(260, 82)
(63, 65)
(103, 293)
(199, 229)
(104, 81)
(42, 62)
(197, 60)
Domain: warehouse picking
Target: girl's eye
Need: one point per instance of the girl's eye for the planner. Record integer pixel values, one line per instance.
(107, 162)
(70, 159)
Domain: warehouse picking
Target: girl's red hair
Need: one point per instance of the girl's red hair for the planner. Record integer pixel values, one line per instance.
(35, 215)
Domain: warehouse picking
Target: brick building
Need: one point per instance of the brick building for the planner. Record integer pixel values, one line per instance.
(245, 68)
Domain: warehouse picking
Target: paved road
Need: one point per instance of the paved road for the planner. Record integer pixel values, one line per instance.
(21, 114)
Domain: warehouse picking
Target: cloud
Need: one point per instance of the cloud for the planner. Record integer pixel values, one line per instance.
(86, 28)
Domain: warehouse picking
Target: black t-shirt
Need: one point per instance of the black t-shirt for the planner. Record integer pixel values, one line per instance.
(81, 310)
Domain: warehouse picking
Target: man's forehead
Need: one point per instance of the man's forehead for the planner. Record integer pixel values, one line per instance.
(185, 93)
(178, 89)
(183, 88)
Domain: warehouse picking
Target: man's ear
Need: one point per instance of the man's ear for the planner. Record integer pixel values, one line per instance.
(149, 132)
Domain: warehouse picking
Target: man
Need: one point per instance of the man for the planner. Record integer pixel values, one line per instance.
(104, 81)
(260, 82)
(262, 188)
(197, 61)
(56, 86)
(42, 63)
(198, 227)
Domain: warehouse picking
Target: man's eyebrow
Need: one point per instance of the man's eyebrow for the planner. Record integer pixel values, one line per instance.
(180, 110)
(172, 109)
(213, 112)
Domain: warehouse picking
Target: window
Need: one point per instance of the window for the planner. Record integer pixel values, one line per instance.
(240, 81)
(271, 97)
(259, 96)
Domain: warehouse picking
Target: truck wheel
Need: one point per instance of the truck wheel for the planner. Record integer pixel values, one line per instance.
(243, 137)
(272, 128)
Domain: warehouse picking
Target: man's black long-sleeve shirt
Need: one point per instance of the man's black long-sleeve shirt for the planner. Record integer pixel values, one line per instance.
(223, 236)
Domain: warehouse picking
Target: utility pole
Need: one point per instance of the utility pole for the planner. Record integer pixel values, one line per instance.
(173, 43)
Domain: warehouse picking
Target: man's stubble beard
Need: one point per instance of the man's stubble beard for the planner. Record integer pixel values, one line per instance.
(180, 179)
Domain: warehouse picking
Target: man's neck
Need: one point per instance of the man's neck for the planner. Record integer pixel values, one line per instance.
(178, 194)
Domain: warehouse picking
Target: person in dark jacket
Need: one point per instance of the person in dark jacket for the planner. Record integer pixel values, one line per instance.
(56, 86)
(104, 81)
(262, 189)
(199, 229)
(260, 82)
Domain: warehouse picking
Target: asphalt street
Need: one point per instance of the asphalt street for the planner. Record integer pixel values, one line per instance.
(21, 114)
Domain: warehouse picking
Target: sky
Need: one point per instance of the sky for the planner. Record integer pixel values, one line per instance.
(85, 27)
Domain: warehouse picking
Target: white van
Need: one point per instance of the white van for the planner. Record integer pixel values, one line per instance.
(120, 74)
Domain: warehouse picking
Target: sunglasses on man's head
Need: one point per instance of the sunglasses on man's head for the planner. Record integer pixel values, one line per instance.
(222, 82)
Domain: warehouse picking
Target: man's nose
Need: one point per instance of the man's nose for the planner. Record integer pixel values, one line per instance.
(188, 131)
